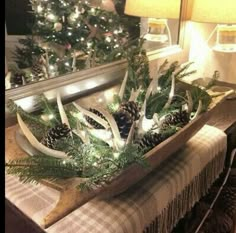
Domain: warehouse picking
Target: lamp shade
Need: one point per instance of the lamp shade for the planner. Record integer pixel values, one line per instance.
(168, 9)
(214, 11)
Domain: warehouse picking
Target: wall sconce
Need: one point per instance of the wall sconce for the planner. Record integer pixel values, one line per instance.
(224, 14)
(158, 11)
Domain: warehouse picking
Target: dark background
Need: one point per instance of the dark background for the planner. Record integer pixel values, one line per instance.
(18, 17)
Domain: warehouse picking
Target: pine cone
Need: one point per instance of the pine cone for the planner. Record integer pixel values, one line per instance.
(37, 70)
(177, 118)
(132, 108)
(150, 140)
(92, 122)
(58, 132)
(124, 122)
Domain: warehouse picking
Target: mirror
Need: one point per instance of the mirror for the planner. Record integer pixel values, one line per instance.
(72, 36)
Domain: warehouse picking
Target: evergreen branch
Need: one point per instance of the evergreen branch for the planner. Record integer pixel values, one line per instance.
(184, 68)
(35, 168)
(48, 109)
(180, 76)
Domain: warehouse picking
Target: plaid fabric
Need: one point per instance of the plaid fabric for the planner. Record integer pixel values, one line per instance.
(143, 206)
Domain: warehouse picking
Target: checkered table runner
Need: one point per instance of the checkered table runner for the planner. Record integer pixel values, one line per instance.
(153, 205)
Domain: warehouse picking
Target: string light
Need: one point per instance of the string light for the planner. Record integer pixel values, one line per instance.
(116, 32)
(95, 25)
(39, 8)
(82, 38)
(69, 33)
(89, 44)
(67, 64)
(108, 39)
(116, 155)
(51, 67)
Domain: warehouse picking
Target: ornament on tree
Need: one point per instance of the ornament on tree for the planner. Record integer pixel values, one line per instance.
(68, 46)
(74, 16)
(51, 17)
(57, 27)
(92, 122)
(180, 119)
(58, 132)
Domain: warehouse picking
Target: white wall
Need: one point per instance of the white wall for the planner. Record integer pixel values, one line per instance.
(206, 60)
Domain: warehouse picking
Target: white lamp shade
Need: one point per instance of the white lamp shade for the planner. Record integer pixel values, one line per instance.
(214, 11)
(168, 9)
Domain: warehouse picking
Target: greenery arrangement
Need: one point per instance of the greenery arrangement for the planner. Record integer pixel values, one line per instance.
(98, 143)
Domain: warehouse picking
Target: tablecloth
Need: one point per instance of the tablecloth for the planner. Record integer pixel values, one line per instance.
(153, 205)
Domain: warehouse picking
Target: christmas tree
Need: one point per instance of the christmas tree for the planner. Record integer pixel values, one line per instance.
(72, 35)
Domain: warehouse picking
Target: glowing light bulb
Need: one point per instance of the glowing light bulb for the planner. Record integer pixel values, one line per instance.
(67, 64)
(116, 32)
(39, 8)
(69, 33)
(46, 117)
(116, 155)
(92, 10)
(95, 25)
(82, 38)
(89, 44)
(51, 67)
(108, 39)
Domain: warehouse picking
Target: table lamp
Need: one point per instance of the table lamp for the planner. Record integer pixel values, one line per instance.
(158, 11)
(223, 13)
